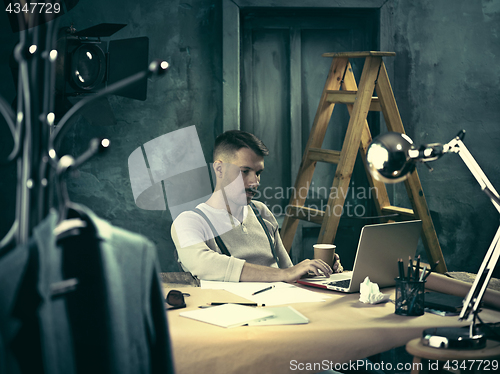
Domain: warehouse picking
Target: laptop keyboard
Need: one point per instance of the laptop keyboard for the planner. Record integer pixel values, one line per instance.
(342, 283)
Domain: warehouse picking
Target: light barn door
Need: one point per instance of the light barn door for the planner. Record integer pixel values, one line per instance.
(282, 77)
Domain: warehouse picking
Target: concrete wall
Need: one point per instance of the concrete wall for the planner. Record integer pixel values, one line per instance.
(446, 79)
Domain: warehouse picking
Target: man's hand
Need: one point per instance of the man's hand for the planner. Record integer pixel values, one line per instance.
(316, 266)
(337, 266)
(259, 273)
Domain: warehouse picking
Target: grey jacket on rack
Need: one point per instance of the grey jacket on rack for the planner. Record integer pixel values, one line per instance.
(90, 303)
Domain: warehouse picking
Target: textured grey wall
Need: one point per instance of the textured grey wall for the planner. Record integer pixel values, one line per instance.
(446, 79)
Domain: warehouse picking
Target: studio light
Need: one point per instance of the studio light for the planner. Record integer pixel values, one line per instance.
(86, 64)
(88, 67)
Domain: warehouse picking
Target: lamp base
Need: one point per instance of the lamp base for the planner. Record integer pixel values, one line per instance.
(453, 338)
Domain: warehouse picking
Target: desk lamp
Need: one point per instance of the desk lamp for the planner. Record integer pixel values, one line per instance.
(391, 158)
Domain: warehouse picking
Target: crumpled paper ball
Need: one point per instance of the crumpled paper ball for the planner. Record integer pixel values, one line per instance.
(369, 293)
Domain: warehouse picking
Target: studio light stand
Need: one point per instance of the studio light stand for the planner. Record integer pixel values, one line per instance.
(390, 157)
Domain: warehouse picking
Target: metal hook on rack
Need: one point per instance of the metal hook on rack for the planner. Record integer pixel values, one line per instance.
(70, 227)
(156, 68)
(68, 163)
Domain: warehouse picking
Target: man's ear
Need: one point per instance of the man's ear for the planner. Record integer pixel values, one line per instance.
(218, 168)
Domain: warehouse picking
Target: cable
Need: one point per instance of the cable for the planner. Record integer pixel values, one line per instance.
(488, 327)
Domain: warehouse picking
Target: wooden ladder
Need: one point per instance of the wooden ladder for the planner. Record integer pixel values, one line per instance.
(341, 87)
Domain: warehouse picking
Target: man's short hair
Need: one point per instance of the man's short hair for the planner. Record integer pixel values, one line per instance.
(231, 141)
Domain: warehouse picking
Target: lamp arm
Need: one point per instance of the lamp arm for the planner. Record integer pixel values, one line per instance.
(457, 146)
(478, 288)
(495, 199)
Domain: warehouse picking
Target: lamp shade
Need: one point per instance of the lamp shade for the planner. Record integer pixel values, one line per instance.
(388, 157)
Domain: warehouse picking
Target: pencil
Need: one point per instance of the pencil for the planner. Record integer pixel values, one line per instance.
(433, 267)
(401, 269)
(417, 268)
(410, 268)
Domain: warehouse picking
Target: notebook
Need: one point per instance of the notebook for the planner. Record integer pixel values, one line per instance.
(444, 302)
(379, 248)
(228, 315)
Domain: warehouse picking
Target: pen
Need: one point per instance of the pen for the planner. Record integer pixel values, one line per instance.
(247, 304)
(264, 289)
(215, 304)
(423, 273)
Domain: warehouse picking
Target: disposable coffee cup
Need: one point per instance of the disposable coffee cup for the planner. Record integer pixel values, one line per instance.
(325, 252)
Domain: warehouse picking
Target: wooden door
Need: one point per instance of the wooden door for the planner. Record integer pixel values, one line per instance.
(282, 76)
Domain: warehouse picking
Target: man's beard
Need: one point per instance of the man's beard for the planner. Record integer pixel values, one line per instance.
(251, 192)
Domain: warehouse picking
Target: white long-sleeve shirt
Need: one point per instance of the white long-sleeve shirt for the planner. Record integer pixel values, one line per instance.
(245, 241)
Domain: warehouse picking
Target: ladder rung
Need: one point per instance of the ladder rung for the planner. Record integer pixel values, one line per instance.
(349, 97)
(306, 214)
(359, 54)
(324, 155)
(398, 210)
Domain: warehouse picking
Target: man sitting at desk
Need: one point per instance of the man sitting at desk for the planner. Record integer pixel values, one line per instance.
(231, 237)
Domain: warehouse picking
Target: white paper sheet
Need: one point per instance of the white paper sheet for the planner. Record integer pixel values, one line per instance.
(283, 315)
(282, 293)
(228, 315)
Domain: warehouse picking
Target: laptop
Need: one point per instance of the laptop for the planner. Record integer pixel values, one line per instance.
(379, 248)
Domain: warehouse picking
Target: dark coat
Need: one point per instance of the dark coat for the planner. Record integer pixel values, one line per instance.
(92, 303)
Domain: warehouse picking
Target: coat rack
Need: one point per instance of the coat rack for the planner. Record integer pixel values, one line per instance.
(36, 131)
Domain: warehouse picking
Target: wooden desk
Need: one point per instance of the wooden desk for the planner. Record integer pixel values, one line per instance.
(341, 329)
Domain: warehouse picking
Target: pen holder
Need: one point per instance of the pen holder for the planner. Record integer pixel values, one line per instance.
(410, 297)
